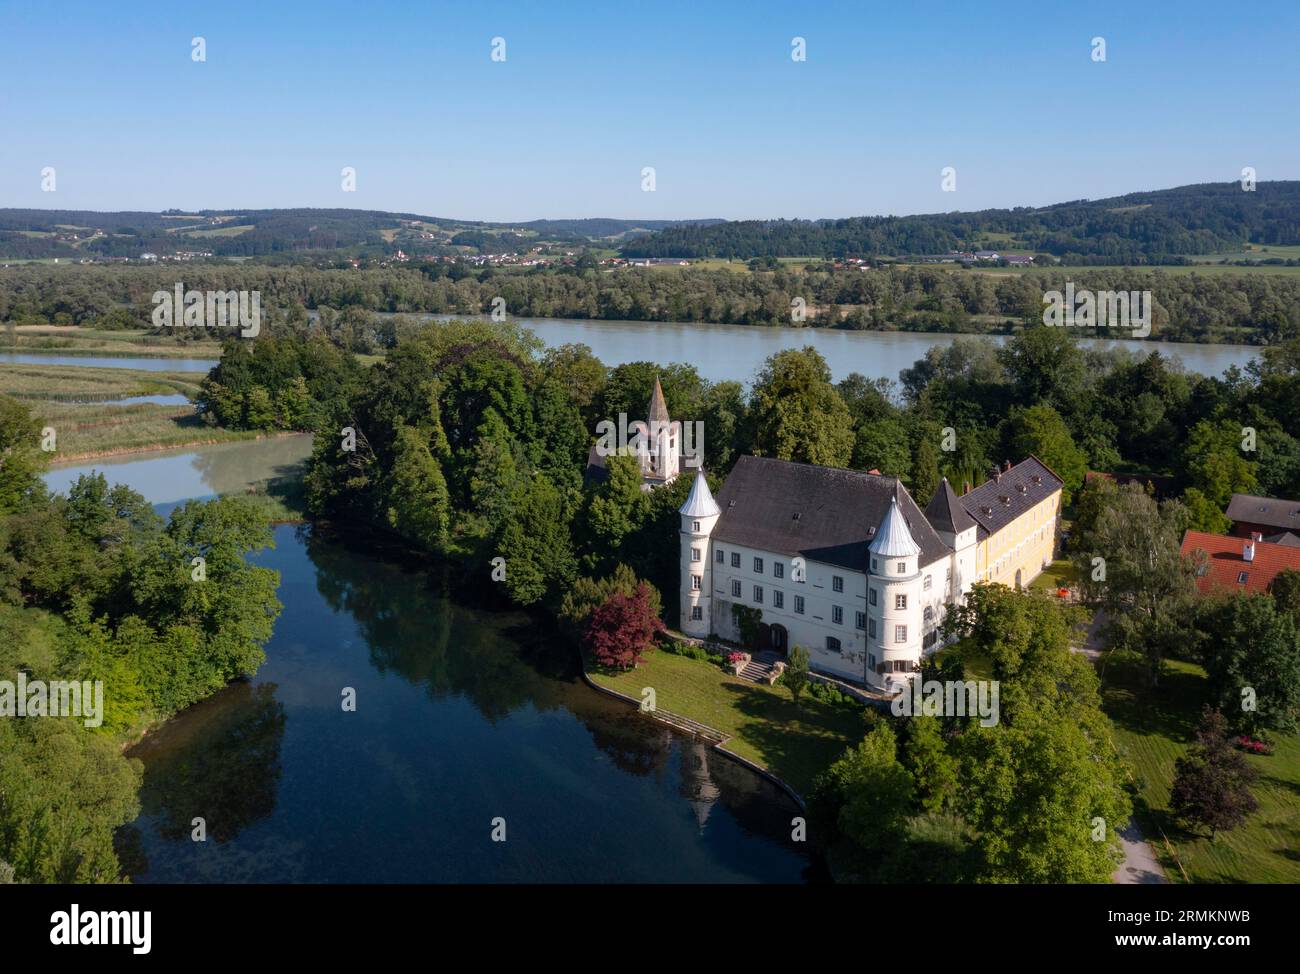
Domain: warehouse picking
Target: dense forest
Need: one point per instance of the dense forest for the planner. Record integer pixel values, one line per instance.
(1139, 228)
(1241, 308)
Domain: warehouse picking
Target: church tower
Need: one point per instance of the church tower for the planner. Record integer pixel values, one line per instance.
(699, 515)
(661, 436)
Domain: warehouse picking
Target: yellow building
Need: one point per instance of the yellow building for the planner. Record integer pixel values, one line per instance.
(1016, 512)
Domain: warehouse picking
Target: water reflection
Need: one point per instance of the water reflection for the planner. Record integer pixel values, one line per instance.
(463, 715)
(170, 476)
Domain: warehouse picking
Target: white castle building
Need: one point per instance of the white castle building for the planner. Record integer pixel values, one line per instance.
(846, 565)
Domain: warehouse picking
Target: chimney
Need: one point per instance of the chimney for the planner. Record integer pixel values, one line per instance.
(965, 487)
(1006, 465)
(1248, 551)
(1256, 536)
(997, 475)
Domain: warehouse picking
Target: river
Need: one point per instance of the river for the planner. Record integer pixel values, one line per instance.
(463, 717)
(736, 352)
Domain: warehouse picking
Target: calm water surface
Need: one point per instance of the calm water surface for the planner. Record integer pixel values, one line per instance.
(109, 362)
(463, 716)
(735, 352)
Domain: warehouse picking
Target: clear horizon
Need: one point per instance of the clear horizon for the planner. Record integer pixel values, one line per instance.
(589, 95)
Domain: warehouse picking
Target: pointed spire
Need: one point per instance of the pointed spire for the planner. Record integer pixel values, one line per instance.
(894, 540)
(658, 408)
(700, 503)
(945, 512)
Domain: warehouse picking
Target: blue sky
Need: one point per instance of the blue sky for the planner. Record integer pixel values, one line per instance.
(590, 93)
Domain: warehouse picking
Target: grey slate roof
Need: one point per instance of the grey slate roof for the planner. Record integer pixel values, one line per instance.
(1272, 511)
(838, 512)
(996, 503)
(945, 511)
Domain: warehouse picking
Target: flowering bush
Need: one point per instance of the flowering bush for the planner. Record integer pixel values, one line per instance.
(1248, 743)
(735, 657)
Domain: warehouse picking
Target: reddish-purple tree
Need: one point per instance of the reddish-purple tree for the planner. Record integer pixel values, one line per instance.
(622, 628)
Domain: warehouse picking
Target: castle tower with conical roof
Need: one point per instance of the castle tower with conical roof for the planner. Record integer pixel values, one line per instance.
(894, 594)
(699, 515)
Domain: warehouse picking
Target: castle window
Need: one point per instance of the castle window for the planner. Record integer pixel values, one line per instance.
(871, 660)
(735, 588)
(860, 620)
(837, 615)
(695, 582)
(778, 599)
(900, 601)
(929, 613)
(758, 565)
(758, 594)
(837, 583)
(900, 634)
(1241, 578)
(722, 556)
(874, 566)
(695, 554)
(695, 526)
(871, 593)
(778, 570)
(735, 559)
(926, 584)
(930, 638)
(697, 613)
(902, 568)
(832, 644)
(871, 628)
(798, 604)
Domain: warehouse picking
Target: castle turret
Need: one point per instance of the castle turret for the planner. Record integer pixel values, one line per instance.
(661, 435)
(894, 605)
(958, 529)
(699, 515)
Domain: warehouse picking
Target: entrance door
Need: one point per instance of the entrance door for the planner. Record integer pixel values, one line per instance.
(780, 639)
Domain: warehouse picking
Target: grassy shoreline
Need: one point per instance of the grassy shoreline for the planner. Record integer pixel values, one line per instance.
(794, 742)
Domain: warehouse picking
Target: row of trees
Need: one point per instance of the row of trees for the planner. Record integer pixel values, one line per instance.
(1251, 308)
(94, 586)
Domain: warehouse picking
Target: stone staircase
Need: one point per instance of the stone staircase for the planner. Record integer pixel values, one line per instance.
(759, 669)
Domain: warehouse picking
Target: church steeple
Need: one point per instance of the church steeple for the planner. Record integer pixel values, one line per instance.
(658, 407)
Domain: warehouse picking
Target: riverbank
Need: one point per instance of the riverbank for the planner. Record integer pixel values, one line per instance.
(761, 724)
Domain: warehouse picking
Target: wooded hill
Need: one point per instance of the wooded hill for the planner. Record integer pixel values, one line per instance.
(36, 234)
(1139, 228)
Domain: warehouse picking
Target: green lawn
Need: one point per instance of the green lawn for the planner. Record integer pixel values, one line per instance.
(1152, 729)
(1059, 574)
(794, 742)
